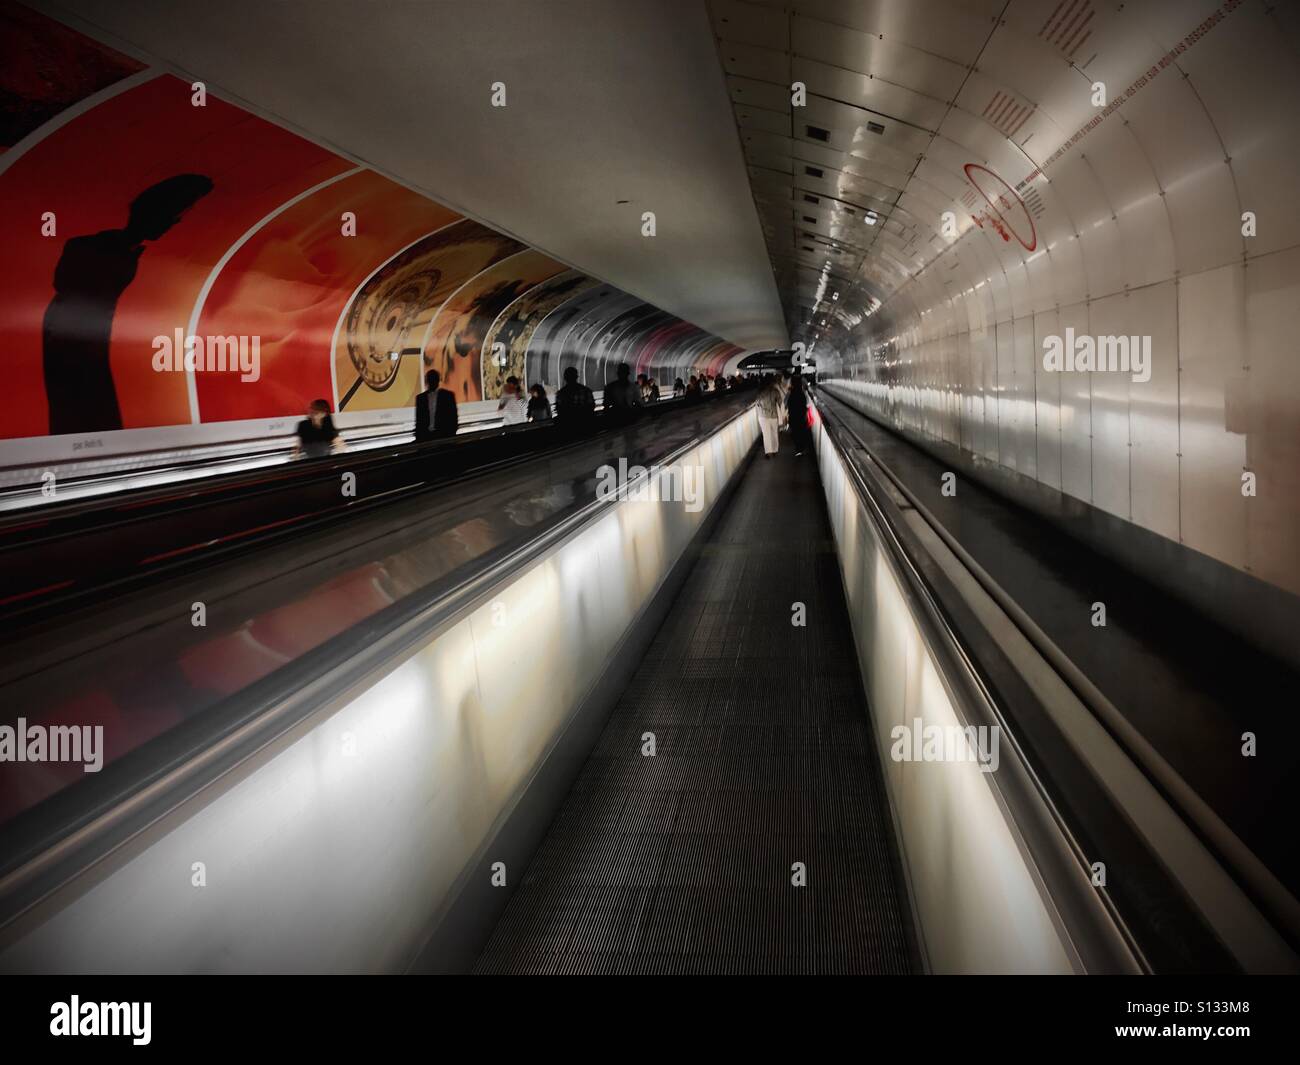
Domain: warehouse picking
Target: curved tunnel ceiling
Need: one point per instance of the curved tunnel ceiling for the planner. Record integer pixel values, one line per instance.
(1040, 170)
(915, 108)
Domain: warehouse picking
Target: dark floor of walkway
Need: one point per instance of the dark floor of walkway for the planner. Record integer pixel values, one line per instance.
(683, 862)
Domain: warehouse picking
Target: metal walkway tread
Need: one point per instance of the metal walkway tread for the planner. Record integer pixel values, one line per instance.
(682, 862)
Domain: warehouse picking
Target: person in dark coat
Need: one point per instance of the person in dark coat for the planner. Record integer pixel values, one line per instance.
(623, 395)
(317, 434)
(575, 404)
(796, 405)
(436, 416)
(539, 406)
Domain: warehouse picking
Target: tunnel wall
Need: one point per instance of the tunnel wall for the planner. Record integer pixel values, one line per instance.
(344, 851)
(979, 907)
(1165, 215)
(146, 215)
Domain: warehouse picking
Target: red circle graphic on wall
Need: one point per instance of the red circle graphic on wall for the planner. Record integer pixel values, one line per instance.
(1006, 211)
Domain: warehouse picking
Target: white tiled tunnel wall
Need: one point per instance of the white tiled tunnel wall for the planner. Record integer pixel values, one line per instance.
(1138, 229)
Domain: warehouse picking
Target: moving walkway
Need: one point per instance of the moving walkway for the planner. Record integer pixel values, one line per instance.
(70, 553)
(460, 778)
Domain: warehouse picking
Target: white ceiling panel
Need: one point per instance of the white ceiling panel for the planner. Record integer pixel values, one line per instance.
(606, 102)
(754, 24)
(754, 93)
(758, 64)
(950, 29)
(870, 54)
(874, 93)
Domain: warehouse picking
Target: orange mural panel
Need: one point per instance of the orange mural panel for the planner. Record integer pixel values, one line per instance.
(290, 283)
(392, 312)
(455, 344)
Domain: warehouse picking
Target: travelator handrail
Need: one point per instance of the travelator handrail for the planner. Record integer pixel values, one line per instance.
(252, 726)
(18, 492)
(1102, 933)
(374, 445)
(1095, 930)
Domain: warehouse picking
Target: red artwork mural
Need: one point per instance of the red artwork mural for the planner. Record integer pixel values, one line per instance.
(177, 265)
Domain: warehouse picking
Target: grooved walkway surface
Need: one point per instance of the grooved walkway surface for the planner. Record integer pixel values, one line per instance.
(681, 862)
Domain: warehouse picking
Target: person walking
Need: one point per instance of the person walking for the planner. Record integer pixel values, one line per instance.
(317, 435)
(539, 406)
(513, 408)
(623, 395)
(796, 406)
(770, 403)
(436, 416)
(575, 404)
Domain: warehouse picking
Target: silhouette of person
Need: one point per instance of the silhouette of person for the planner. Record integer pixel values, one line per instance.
(92, 273)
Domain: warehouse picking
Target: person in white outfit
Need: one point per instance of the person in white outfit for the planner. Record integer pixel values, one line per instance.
(771, 402)
(514, 404)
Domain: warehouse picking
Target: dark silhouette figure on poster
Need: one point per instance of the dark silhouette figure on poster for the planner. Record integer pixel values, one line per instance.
(91, 275)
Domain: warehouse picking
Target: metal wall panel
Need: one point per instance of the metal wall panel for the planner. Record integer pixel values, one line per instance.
(1211, 340)
(1173, 128)
(1076, 414)
(1249, 82)
(1136, 212)
(1026, 362)
(1272, 411)
(1008, 415)
(1153, 411)
(1047, 403)
(1111, 450)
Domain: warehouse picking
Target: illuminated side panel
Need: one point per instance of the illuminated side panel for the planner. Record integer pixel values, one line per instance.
(978, 901)
(343, 850)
